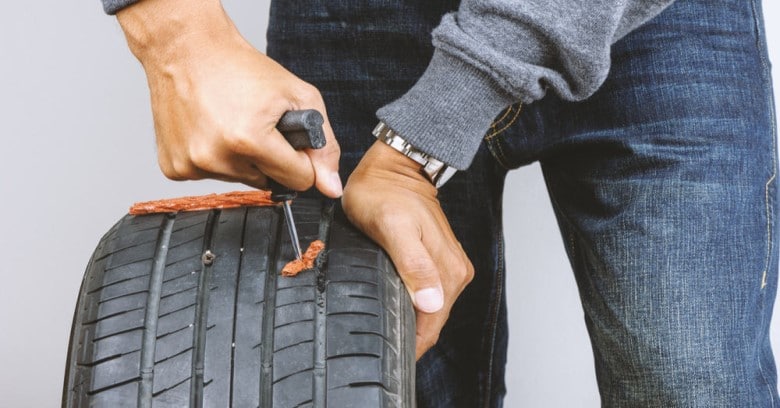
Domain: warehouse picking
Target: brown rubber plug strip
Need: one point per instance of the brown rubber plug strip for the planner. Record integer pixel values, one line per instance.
(307, 259)
(258, 198)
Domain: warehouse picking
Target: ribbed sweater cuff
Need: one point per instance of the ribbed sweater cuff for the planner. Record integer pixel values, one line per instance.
(448, 110)
(112, 6)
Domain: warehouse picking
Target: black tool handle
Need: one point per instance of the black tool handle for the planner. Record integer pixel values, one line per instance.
(303, 130)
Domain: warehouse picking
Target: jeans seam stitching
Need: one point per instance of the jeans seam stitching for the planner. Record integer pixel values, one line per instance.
(494, 319)
(507, 125)
(493, 142)
(769, 182)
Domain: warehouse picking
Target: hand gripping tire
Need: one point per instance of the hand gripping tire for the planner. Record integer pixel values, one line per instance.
(189, 310)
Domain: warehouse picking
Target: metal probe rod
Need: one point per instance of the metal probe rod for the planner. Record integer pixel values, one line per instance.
(293, 231)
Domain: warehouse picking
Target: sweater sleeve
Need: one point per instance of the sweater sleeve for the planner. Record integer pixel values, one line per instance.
(492, 53)
(112, 6)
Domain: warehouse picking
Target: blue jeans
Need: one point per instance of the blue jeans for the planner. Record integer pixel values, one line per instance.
(663, 183)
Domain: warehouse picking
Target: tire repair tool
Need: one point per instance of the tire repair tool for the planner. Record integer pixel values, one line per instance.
(303, 130)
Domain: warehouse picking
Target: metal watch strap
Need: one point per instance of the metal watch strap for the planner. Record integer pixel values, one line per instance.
(435, 170)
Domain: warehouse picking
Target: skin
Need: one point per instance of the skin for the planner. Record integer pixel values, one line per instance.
(216, 101)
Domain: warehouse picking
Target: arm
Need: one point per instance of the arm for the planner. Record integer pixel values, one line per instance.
(489, 54)
(492, 53)
(216, 100)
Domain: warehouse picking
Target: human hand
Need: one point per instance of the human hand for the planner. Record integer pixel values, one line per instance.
(216, 100)
(393, 203)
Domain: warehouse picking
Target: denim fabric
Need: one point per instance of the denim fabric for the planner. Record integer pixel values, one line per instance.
(664, 184)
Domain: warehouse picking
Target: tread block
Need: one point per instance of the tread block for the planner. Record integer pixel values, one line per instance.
(120, 305)
(293, 334)
(356, 397)
(120, 324)
(293, 313)
(128, 271)
(342, 343)
(176, 397)
(121, 396)
(115, 371)
(110, 346)
(124, 288)
(293, 391)
(354, 369)
(174, 370)
(173, 344)
(293, 360)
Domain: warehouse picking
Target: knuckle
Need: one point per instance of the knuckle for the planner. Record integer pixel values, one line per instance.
(167, 169)
(467, 273)
(200, 159)
(236, 142)
(309, 94)
(184, 170)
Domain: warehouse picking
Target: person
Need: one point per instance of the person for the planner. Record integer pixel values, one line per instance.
(653, 122)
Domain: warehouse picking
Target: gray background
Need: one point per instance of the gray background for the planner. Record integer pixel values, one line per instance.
(78, 149)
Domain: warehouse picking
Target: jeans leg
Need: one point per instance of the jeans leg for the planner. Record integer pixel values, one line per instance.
(360, 57)
(664, 183)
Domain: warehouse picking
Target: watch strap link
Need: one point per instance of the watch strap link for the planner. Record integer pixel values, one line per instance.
(434, 169)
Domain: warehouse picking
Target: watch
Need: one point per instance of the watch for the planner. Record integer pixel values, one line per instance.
(433, 169)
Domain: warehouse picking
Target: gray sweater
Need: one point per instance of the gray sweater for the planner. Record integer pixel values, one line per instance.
(492, 53)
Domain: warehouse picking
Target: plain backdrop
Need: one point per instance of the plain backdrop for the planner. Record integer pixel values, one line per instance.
(78, 150)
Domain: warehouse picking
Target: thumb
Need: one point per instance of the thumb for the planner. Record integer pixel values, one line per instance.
(417, 269)
(326, 169)
(326, 160)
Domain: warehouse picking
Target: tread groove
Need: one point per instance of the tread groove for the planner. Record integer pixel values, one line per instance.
(119, 333)
(108, 316)
(354, 313)
(112, 386)
(291, 374)
(291, 323)
(149, 336)
(319, 377)
(178, 309)
(162, 391)
(179, 291)
(201, 311)
(350, 355)
(108, 285)
(292, 345)
(235, 305)
(173, 355)
(269, 311)
(160, 336)
(104, 359)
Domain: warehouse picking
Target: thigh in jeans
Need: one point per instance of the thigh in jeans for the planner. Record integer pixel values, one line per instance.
(362, 55)
(664, 183)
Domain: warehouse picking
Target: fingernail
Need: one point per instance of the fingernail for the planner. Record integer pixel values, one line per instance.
(429, 300)
(335, 182)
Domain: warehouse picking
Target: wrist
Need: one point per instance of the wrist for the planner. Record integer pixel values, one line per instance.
(160, 32)
(434, 170)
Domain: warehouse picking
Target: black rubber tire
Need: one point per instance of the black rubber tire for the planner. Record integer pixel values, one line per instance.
(159, 324)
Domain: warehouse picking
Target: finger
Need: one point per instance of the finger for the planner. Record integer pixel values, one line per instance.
(429, 327)
(421, 276)
(277, 159)
(326, 162)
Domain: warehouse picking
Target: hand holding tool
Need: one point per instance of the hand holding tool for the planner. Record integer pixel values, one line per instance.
(303, 130)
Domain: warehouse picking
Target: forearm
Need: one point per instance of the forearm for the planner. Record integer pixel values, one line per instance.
(160, 32)
(492, 53)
